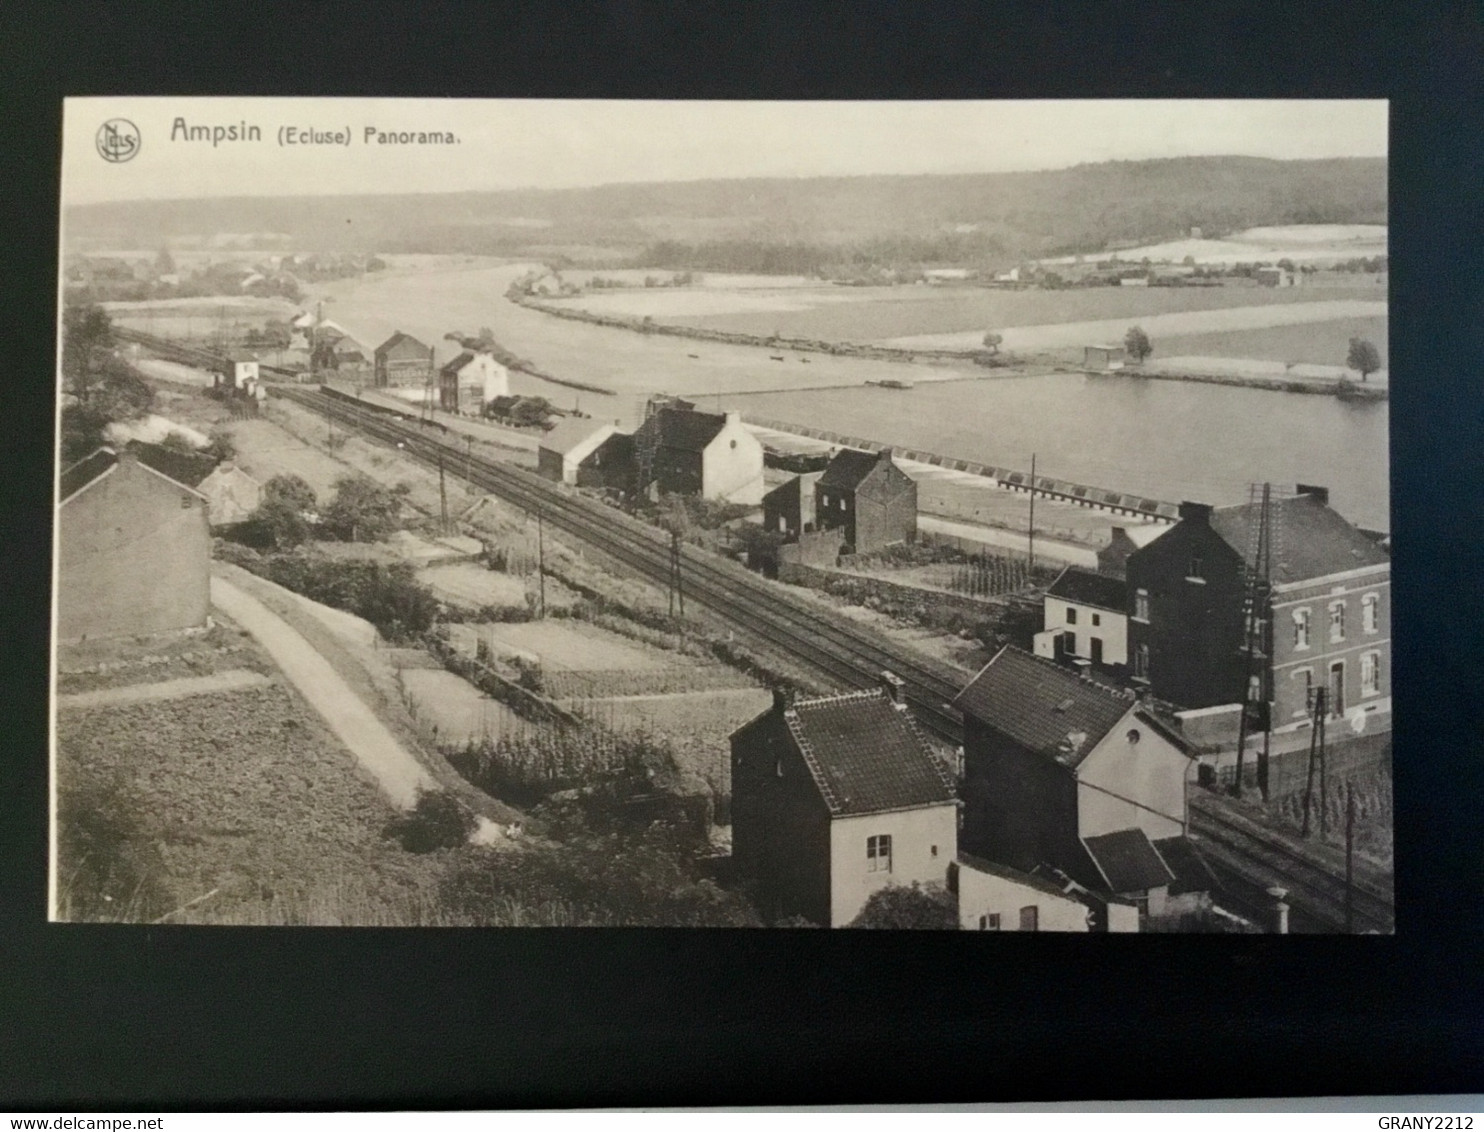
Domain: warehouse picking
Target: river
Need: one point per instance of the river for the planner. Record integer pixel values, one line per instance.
(1168, 439)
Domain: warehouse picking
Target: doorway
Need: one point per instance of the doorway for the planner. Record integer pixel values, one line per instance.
(1337, 688)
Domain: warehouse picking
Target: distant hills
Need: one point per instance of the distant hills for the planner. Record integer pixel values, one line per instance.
(968, 218)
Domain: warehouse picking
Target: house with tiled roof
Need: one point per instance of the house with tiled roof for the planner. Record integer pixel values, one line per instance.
(1325, 614)
(1066, 773)
(1085, 622)
(587, 453)
(834, 798)
(681, 451)
(402, 360)
(133, 550)
(865, 496)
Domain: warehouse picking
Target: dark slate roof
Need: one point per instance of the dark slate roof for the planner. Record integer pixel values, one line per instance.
(865, 755)
(85, 471)
(1129, 861)
(847, 469)
(1042, 706)
(1005, 872)
(183, 467)
(1310, 540)
(1086, 588)
(396, 340)
(1192, 873)
(684, 429)
(457, 363)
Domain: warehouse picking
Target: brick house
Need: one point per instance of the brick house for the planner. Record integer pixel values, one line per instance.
(868, 498)
(133, 550)
(1329, 611)
(1085, 620)
(680, 451)
(789, 508)
(587, 453)
(834, 798)
(402, 360)
(1065, 774)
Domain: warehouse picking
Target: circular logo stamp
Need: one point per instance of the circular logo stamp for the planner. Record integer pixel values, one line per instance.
(118, 140)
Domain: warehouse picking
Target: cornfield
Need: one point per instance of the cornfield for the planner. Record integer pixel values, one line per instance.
(529, 765)
(990, 575)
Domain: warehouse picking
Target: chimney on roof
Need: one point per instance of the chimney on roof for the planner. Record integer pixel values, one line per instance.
(895, 688)
(1319, 495)
(733, 416)
(1195, 512)
(782, 699)
(884, 456)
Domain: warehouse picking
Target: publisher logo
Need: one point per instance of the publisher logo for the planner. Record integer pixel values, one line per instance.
(118, 140)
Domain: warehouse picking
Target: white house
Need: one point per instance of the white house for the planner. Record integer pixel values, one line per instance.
(713, 455)
(240, 371)
(563, 450)
(1085, 618)
(997, 898)
(472, 380)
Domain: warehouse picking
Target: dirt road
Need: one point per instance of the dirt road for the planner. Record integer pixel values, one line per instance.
(378, 750)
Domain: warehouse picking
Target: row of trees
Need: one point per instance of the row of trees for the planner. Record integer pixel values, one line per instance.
(361, 510)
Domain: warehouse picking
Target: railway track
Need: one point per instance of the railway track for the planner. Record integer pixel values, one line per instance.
(846, 654)
(1316, 887)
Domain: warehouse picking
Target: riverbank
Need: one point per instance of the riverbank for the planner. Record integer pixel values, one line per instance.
(1342, 388)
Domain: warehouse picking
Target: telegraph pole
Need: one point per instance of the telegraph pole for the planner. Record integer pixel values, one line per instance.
(442, 491)
(1031, 533)
(1349, 858)
(1316, 754)
(541, 562)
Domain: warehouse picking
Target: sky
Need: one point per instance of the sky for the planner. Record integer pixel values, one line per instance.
(566, 144)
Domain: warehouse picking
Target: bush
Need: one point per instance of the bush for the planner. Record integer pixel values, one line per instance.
(898, 907)
(362, 510)
(438, 821)
(388, 596)
(528, 767)
(285, 512)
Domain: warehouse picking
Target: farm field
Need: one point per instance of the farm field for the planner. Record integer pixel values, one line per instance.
(1167, 325)
(460, 712)
(1313, 243)
(878, 313)
(1315, 343)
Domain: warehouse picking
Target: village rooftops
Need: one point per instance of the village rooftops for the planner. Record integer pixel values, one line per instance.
(866, 755)
(1042, 706)
(1310, 540)
(1005, 872)
(455, 364)
(850, 466)
(1082, 587)
(684, 429)
(397, 338)
(1128, 861)
(90, 469)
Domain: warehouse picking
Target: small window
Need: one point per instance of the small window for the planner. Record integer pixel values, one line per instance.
(1370, 619)
(1305, 676)
(1195, 569)
(878, 854)
(734, 444)
(1133, 736)
(990, 923)
(1370, 674)
(185, 502)
(1300, 628)
(778, 768)
(1030, 918)
(934, 851)
(1337, 620)
(1097, 619)
(1071, 616)
(1141, 605)
(1141, 662)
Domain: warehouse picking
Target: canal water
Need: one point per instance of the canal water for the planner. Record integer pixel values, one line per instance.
(1172, 440)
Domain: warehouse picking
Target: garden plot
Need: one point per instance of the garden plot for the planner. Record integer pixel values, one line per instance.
(89, 666)
(464, 583)
(456, 712)
(573, 645)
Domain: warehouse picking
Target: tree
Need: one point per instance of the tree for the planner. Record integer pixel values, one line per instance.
(286, 511)
(87, 336)
(897, 907)
(179, 442)
(362, 510)
(1136, 342)
(221, 447)
(1364, 357)
(438, 821)
(992, 342)
(82, 432)
(164, 262)
(531, 411)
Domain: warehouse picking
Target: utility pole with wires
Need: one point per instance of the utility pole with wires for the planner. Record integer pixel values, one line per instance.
(1349, 858)
(541, 564)
(677, 589)
(1256, 627)
(1316, 760)
(442, 492)
(1031, 526)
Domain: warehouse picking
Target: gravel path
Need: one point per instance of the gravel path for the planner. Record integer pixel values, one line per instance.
(378, 750)
(227, 681)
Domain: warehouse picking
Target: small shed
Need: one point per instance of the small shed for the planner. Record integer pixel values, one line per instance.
(1108, 356)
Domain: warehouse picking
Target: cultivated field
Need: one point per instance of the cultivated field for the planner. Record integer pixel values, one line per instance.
(1317, 343)
(859, 314)
(1302, 243)
(1161, 326)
